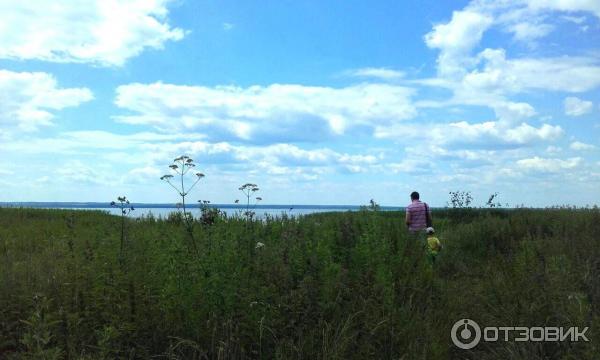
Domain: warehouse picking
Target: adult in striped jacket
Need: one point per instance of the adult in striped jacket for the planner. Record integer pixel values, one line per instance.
(418, 214)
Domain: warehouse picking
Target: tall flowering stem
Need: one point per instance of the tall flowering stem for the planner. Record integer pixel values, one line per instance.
(123, 204)
(248, 190)
(180, 167)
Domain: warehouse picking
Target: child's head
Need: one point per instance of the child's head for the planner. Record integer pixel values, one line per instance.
(430, 231)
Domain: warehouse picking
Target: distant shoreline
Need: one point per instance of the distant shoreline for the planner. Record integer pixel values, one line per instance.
(105, 205)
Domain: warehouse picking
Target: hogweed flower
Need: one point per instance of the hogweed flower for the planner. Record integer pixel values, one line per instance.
(124, 205)
(248, 189)
(180, 167)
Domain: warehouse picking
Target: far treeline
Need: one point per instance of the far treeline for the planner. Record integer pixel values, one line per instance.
(89, 285)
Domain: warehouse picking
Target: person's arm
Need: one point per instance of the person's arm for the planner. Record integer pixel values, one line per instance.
(407, 219)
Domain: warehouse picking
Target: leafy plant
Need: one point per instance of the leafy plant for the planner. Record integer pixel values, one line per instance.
(460, 199)
(493, 201)
(38, 337)
(208, 214)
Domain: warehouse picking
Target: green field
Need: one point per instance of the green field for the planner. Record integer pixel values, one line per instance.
(323, 286)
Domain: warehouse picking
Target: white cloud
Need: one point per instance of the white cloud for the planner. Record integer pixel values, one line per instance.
(579, 146)
(410, 166)
(145, 172)
(456, 39)
(529, 31)
(378, 73)
(228, 26)
(548, 165)
(575, 19)
(490, 76)
(103, 32)
(491, 134)
(577, 107)
(27, 100)
(592, 6)
(116, 148)
(512, 112)
(144, 155)
(76, 171)
(268, 114)
(497, 78)
(504, 76)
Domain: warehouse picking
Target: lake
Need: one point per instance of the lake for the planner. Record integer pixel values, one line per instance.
(163, 210)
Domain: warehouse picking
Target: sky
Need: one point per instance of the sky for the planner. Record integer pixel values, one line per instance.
(317, 102)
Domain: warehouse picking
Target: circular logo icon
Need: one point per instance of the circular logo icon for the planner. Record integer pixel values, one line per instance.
(466, 334)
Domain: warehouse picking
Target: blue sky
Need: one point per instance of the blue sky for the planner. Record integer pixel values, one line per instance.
(318, 102)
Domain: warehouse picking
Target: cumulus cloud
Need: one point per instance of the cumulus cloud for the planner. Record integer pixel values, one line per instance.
(577, 107)
(566, 5)
(579, 146)
(103, 32)
(456, 39)
(548, 165)
(529, 31)
(512, 112)
(490, 134)
(499, 75)
(118, 146)
(574, 19)
(411, 166)
(28, 99)
(270, 114)
(76, 171)
(552, 149)
(276, 159)
(146, 154)
(376, 73)
(490, 75)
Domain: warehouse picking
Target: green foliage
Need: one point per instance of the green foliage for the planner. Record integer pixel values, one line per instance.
(322, 286)
(209, 215)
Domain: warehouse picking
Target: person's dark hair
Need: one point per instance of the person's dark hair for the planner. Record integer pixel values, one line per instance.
(414, 195)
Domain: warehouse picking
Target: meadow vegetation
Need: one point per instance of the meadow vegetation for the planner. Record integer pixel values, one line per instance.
(324, 286)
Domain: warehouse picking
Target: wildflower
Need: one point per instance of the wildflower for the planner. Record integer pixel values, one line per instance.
(259, 245)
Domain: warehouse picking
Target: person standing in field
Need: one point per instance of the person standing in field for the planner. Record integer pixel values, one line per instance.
(418, 215)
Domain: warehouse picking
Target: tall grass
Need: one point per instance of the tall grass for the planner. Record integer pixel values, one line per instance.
(323, 286)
